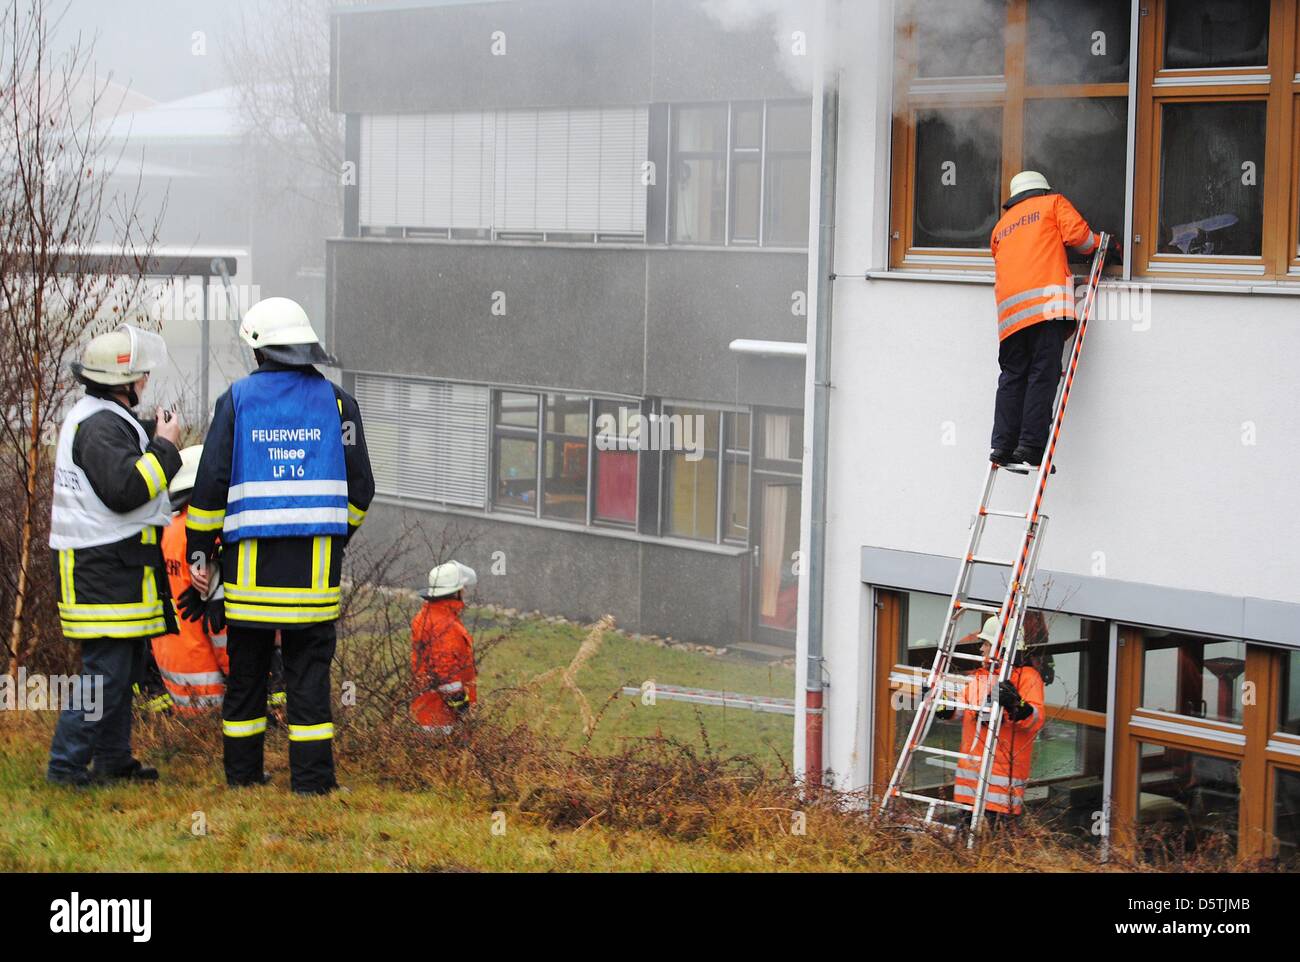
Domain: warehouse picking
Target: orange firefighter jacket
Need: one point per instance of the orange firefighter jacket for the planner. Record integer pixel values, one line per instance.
(1013, 758)
(1034, 283)
(193, 665)
(442, 660)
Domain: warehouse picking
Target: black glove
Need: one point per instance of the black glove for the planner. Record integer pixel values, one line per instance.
(457, 701)
(191, 604)
(1115, 252)
(214, 616)
(1009, 698)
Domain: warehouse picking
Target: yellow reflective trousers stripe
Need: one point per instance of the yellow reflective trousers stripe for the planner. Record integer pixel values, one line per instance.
(243, 729)
(311, 733)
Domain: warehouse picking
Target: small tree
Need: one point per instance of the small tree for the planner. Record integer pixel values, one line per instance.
(56, 285)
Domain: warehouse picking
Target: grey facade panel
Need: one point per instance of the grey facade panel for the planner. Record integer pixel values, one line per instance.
(722, 52)
(558, 53)
(573, 318)
(693, 596)
(1254, 619)
(657, 589)
(700, 301)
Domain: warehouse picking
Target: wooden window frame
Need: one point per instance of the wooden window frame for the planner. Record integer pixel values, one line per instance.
(1009, 91)
(1274, 84)
(1278, 85)
(889, 629)
(1259, 762)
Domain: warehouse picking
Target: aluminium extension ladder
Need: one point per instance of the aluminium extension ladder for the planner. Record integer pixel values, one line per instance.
(943, 688)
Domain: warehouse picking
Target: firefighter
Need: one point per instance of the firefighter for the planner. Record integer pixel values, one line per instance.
(193, 661)
(283, 483)
(442, 651)
(111, 472)
(1035, 298)
(1021, 699)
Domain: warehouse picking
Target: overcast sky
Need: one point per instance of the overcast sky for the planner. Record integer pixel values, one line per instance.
(149, 44)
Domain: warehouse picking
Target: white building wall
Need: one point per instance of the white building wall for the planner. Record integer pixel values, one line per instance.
(1158, 482)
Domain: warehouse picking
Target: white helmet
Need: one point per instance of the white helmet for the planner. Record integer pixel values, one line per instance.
(1028, 180)
(989, 634)
(189, 472)
(449, 578)
(121, 356)
(276, 322)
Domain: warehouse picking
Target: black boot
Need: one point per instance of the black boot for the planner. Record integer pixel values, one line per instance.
(1000, 456)
(1030, 456)
(132, 771)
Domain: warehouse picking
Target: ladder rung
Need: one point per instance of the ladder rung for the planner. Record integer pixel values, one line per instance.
(931, 800)
(1000, 513)
(976, 606)
(943, 703)
(967, 657)
(981, 560)
(947, 753)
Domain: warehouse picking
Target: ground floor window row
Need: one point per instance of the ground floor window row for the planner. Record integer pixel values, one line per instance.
(675, 469)
(1204, 735)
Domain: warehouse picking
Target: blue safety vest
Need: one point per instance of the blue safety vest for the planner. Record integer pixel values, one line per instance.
(288, 478)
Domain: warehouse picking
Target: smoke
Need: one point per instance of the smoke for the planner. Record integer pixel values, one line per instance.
(795, 27)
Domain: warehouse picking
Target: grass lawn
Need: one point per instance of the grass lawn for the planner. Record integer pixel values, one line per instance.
(191, 822)
(532, 646)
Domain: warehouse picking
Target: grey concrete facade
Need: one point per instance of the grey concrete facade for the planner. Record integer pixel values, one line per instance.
(627, 320)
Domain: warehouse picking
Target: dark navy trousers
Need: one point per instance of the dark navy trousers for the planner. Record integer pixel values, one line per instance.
(100, 729)
(1030, 360)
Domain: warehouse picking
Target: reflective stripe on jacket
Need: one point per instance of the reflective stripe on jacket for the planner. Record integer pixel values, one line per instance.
(193, 666)
(1034, 283)
(442, 661)
(1013, 757)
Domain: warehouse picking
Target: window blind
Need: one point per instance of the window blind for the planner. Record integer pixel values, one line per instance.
(555, 170)
(428, 440)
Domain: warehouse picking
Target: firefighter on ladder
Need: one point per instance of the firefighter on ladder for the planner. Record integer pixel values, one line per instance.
(1021, 698)
(442, 651)
(110, 505)
(283, 483)
(192, 661)
(1035, 298)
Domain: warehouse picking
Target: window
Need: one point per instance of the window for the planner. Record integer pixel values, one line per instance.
(1187, 802)
(1286, 819)
(958, 177)
(741, 174)
(1197, 677)
(735, 517)
(789, 175)
(564, 174)
(615, 462)
(1071, 656)
(1288, 720)
(996, 86)
(427, 439)
(1206, 205)
(564, 485)
(589, 465)
(706, 468)
(1216, 33)
(1217, 148)
(689, 439)
(514, 450)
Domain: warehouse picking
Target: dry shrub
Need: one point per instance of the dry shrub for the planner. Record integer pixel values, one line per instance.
(516, 752)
